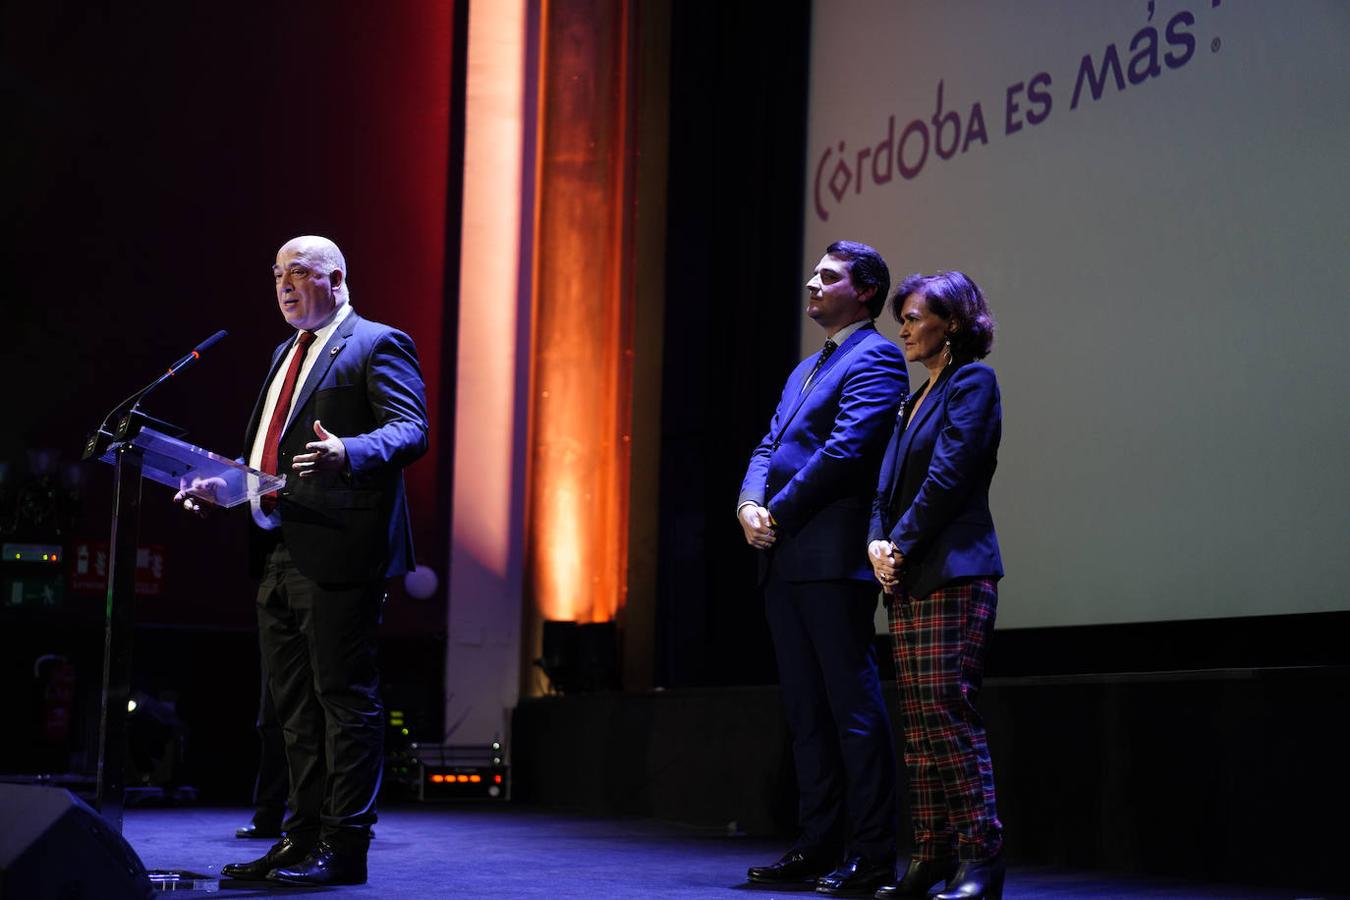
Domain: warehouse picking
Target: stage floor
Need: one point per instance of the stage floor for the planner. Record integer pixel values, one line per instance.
(510, 852)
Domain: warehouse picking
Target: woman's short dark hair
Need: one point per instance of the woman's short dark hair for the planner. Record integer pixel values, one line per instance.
(866, 269)
(955, 297)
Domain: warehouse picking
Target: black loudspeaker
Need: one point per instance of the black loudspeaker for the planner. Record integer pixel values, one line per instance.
(54, 846)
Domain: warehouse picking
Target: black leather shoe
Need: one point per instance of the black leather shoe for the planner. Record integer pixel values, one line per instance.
(797, 866)
(324, 865)
(919, 878)
(284, 852)
(857, 877)
(976, 880)
(260, 830)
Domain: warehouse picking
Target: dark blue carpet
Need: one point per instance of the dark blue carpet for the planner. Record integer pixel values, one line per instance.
(509, 852)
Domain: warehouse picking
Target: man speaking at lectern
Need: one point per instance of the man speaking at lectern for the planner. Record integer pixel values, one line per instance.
(341, 412)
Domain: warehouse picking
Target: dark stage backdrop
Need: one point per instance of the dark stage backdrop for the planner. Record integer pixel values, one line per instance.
(737, 153)
(155, 155)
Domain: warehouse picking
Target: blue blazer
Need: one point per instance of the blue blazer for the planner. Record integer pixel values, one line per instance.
(932, 499)
(366, 387)
(816, 468)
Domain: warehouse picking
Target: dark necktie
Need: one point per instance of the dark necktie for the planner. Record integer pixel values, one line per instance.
(271, 444)
(830, 347)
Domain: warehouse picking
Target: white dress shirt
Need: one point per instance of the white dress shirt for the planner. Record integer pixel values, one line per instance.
(273, 520)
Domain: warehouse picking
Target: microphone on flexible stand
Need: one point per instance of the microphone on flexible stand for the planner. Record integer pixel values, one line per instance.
(188, 360)
(132, 403)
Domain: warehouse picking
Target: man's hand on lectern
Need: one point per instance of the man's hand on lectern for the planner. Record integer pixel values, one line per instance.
(198, 496)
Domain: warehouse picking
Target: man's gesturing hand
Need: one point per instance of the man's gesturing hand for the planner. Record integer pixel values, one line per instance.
(327, 454)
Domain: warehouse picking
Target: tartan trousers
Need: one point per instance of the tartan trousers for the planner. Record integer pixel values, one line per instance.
(939, 643)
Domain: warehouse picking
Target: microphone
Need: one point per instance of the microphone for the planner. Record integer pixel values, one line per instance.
(195, 355)
(134, 401)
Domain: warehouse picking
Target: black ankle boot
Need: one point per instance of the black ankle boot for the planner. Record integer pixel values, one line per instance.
(980, 879)
(919, 878)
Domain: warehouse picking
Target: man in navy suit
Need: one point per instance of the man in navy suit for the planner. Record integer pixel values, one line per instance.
(805, 504)
(341, 412)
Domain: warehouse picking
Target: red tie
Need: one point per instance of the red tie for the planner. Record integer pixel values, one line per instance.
(271, 444)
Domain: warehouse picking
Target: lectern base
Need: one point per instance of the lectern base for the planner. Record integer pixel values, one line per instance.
(182, 880)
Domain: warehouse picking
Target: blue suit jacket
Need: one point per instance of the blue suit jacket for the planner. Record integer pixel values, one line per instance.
(366, 388)
(816, 468)
(932, 499)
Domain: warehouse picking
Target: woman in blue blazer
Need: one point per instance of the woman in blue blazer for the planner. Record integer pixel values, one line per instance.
(933, 548)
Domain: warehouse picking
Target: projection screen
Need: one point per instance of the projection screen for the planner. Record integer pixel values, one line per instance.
(1156, 198)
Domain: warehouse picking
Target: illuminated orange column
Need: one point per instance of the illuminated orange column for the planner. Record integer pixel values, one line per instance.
(577, 526)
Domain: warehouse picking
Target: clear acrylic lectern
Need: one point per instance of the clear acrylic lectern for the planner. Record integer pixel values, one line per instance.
(200, 473)
(142, 447)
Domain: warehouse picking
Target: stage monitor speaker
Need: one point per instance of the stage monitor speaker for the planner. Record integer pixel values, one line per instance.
(52, 845)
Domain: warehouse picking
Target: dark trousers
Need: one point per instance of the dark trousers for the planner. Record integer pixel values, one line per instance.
(272, 785)
(319, 648)
(940, 643)
(841, 738)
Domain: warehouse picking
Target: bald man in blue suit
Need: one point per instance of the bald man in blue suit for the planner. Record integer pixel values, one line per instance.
(341, 413)
(804, 505)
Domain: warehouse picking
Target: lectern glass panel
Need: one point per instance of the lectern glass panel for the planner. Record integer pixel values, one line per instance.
(205, 475)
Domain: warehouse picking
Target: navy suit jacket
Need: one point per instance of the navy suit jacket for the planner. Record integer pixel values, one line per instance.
(366, 387)
(816, 468)
(932, 499)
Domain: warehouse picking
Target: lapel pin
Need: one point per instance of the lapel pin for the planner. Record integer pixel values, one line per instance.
(335, 350)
